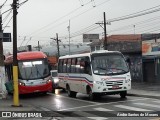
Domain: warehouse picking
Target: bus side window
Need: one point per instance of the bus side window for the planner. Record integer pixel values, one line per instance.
(60, 66)
(87, 67)
(73, 65)
(69, 66)
(82, 65)
(64, 65)
(78, 67)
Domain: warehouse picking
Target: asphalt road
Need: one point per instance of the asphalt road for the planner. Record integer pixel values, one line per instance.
(108, 107)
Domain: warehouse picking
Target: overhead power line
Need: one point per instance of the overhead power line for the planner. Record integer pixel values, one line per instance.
(7, 23)
(136, 24)
(133, 15)
(137, 14)
(3, 4)
(50, 27)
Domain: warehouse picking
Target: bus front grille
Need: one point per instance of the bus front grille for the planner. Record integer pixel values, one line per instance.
(113, 83)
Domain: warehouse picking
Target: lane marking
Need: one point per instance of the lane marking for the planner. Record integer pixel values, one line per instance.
(44, 109)
(76, 99)
(156, 101)
(102, 109)
(131, 108)
(148, 105)
(101, 104)
(97, 118)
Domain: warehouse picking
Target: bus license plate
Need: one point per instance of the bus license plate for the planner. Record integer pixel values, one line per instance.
(115, 87)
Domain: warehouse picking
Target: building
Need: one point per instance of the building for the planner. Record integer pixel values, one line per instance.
(151, 57)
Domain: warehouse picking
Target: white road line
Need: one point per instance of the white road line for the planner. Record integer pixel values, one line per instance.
(76, 99)
(156, 101)
(101, 104)
(97, 118)
(131, 108)
(102, 109)
(148, 105)
(44, 109)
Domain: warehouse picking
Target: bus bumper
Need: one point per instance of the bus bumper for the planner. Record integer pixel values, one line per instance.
(111, 89)
(35, 89)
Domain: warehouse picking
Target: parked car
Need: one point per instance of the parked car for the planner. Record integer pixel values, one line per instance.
(55, 80)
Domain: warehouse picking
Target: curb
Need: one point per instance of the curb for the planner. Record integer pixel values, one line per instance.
(138, 95)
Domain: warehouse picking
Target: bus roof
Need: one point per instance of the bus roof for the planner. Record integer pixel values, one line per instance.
(30, 55)
(25, 56)
(88, 54)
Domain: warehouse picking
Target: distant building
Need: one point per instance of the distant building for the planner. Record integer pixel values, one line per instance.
(151, 57)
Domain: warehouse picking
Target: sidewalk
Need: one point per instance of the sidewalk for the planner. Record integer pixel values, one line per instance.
(7, 105)
(138, 89)
(142, 89)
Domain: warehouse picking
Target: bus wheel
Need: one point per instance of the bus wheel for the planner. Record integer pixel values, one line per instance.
(53, 90)
(92, 96)
(70, 93)
(123, 94)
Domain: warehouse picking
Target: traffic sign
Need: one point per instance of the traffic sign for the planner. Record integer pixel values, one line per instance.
(6, 37)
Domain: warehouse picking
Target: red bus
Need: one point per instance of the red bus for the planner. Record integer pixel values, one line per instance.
(33, 72)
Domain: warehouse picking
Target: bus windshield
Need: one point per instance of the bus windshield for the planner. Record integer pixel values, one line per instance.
(109, 64)
(33, 69)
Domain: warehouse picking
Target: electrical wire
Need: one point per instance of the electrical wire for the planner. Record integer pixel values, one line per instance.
(76, 16)
(67, 20)
(3, 4)
(57, 20)
(139, 25)
(7, 23)
(6, 16)
(133, 15)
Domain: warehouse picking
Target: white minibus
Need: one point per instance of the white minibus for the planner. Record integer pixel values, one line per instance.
(97, 73)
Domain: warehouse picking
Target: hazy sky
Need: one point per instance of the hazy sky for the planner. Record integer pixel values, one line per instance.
(40, 20)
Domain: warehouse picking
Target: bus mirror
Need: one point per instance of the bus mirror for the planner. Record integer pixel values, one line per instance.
(128, 60)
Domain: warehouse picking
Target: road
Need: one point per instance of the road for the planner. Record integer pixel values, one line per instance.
(102, 109)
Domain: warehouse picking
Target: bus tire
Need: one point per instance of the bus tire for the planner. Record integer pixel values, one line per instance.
(53, 90)
(92, 96)
(123, 94)
(70, 93)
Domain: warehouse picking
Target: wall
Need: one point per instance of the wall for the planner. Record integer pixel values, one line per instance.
(136, 67)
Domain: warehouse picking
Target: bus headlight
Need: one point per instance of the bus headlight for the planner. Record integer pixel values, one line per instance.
(98, 82)
(128, 80)
(56, 80)
(21, 83)
(48, 81)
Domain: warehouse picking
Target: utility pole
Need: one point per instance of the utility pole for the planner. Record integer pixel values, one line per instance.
(105, 35)
(2, 68)
(57, 44)
(69, 37)
(15, 62)
(38, 46)
(57, 41)
(105, 31)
